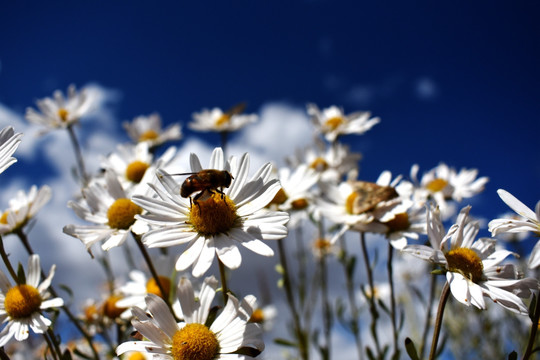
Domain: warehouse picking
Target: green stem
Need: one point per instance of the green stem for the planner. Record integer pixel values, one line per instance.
(303, 344)
(371, 296)
(5, 258)
(78, 155)
(54, 342)
(390, 269)
(438, 320)
(327, 310)
(534, 329)
(427, 321)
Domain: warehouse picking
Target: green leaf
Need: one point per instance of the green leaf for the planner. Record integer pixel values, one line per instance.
(21, 278)
(411, 349)
(513, 356)
(285, 342)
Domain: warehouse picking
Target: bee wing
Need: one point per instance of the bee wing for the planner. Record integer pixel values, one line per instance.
(370, 194)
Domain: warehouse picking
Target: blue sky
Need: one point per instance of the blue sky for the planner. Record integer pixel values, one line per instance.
(454, 82)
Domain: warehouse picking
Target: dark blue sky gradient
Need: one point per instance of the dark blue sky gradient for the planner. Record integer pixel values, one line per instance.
(480, 59)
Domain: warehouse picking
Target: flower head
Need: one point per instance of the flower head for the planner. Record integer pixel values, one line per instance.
(111, 211)
(21, 304)
(195, 337)
(221, 121)
(529, 222)
(148, 129)
(332, 121)
(23, 207)
(217, 219)
(61, 112)
(9, 142)
(473, 267)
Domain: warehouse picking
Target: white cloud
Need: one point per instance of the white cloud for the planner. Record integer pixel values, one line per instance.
(426, 88)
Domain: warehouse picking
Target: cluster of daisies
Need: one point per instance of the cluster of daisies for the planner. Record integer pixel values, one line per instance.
(224, 207)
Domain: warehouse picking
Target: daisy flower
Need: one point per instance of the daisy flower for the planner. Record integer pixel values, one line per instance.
(61, 112)
(332, 121)
(23, 207)
(196, 337)
(108, 206)
(220, 121)
(9, 142)
(21, 305)
(218, 221)
(444, 183)
(148, 129)
(473, 267)
(135, 165)
(530, 221)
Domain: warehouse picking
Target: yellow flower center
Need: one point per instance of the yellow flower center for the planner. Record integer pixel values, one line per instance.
(279, 198)
(153, 288)
(319, 164)
(322, 246)
(121, 213)
(466, 262)
(436, 185)
(194, 342)
(22, 301)
(63, 114)
(136, 356)
(3, 218)
(350, 203)
(257, 316)
(110, 309)
(148, 135)
(299, 204)
(334, 122)
(214, 215)
(135, 171)
(223, 119)
(90, 313)
(398, 223)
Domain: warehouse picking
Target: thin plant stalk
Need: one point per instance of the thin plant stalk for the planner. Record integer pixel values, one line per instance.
(5, 258)
(300, 336)
(78, 155)
(438, 320)
(534, 329)
(371, 297)
(427, 322)
(355, 312)
(390, 269)
(223, 276)
(326, 308)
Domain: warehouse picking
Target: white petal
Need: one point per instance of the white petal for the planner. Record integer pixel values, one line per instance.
(459, 287)
(228, 252)
(516, 205)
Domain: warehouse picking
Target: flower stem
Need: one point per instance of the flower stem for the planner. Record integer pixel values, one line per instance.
(438, 320)
(371, 297)
(392, 299)
(300, 336)
(5, 258)
(78, 155)
(427, 321)
(327, 310)
(223, 276)
(534, 329)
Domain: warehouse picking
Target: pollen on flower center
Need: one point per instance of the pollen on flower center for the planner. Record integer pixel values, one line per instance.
(257, 316)
(135, 171)
(22, 301)
(223, 119)
(153, 288)
(194, 342)
(334, 122)
(136, 356)
(398, 223)
(148, 135)
(63, 114)
(319, 164)
(466, 262)
(214, 215)
(299, 204)
(121, 213)
(436, 185)
(279, 198)
(3, 218)
(110, 309)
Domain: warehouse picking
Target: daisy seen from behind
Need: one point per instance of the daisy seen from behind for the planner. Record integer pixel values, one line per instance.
(222, 121)
(9, 142)
(196, 337)
(21, 304)
(530, 222)
(61, 112)
(473, 266)
(217, 219)
(332, 121)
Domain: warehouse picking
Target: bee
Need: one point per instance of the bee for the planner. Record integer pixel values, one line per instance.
(207, 181)
(371, 194)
